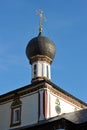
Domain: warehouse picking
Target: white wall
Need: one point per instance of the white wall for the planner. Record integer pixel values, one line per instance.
(41, 69)
(65, 105)
(5, 116)
(30, 109)
(29, 113)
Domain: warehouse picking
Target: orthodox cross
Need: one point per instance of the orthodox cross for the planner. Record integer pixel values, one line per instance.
(40, 13)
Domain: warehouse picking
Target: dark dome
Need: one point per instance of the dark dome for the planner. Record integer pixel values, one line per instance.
(40, 45)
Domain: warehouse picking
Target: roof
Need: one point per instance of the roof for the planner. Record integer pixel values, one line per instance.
(77, 118)
(42, 84)
(40, 45)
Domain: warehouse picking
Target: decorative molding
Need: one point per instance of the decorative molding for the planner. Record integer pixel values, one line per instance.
(40, 58)
(39, 79)
(44, 85)
(57, 106)
(49, 105)
(16, 105)
(16, 101)
(66, 97)
(45, 102)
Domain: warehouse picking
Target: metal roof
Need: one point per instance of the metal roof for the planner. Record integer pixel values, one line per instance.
(40, 45)
(77, 118)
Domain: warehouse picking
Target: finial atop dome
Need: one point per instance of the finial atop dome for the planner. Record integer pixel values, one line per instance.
(40, 13)
(40, 52)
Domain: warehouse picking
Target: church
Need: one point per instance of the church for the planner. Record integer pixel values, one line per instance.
(41, 104)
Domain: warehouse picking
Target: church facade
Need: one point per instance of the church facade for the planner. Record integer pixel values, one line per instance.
(34, 104)
(42, 104)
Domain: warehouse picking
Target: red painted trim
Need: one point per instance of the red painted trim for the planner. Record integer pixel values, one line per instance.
(32, 88)
(49, 105)
(45, 103)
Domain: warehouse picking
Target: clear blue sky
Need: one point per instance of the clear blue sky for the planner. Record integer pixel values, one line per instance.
(66, 26)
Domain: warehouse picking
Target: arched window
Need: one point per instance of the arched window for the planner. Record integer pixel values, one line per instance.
(47, 69)
(42, 69)
(16, 111)
(35, 70)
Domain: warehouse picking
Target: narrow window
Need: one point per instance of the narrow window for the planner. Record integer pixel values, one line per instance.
(35, 70)
(42, 70)
(16, 115)
(47, 71)
(16, 112)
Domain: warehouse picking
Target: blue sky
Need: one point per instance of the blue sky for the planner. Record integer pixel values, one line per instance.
(66, 26)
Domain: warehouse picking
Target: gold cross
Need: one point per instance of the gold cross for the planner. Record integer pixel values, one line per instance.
(40, 13)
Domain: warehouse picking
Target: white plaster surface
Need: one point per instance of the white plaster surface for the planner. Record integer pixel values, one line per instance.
(30, 109)
(5, 116)
(41, 69)
(65, 105)
(29, 113)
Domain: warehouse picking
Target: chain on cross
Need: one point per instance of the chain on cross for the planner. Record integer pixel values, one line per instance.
(40, 13)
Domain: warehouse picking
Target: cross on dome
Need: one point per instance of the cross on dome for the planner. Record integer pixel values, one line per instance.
(40, 14)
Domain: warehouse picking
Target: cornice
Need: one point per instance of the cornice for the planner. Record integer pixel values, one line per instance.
(40, 58)
(43, 84)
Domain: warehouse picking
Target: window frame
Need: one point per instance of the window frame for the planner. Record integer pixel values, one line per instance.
(15, 106)
(47, 71)
(16, 115)
(35, 70)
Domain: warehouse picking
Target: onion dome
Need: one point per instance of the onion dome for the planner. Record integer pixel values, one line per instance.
(40, 45)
